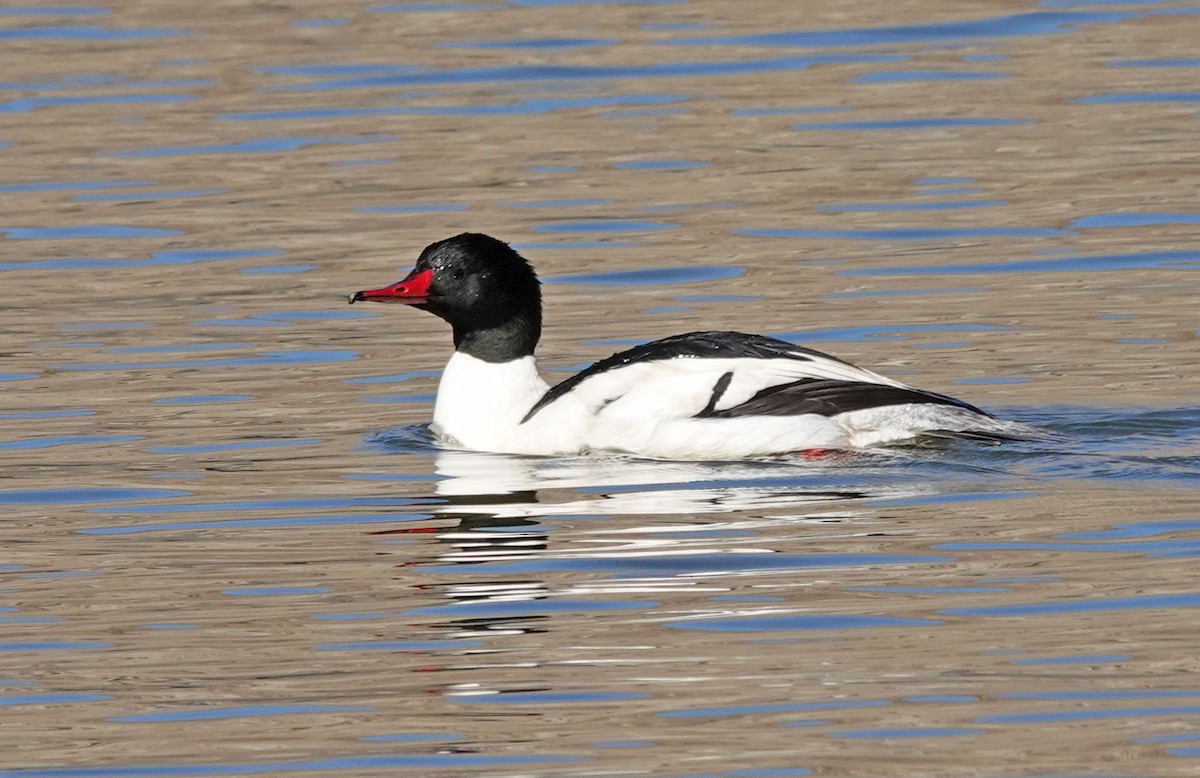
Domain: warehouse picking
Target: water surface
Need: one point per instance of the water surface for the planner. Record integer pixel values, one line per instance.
(232, 547)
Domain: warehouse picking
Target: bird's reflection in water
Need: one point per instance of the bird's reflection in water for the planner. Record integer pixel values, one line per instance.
(513, 486)
(508, 508)
(498, 499)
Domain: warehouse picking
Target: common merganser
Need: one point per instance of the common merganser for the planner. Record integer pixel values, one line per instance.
(698, 396)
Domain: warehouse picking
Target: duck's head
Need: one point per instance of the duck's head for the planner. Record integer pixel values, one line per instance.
(488, 293)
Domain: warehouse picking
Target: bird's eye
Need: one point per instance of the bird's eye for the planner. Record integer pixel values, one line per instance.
(458, 274)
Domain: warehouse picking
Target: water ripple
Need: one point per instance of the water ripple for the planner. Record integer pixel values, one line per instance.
(1024, 24)
(517, 73)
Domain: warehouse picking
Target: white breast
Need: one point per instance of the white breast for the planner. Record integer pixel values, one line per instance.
(480, 406)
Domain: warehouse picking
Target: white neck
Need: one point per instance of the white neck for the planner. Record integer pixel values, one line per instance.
(480, 406)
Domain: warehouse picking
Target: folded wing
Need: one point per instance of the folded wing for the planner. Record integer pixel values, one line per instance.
(728, 375)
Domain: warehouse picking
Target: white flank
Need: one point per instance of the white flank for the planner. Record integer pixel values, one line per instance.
(649, 409)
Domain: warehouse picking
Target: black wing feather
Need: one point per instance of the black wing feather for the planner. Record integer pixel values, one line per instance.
(829, 398)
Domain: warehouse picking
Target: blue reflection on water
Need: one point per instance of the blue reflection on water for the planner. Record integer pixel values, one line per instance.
(604, 226)
(1088, 3)
(936, 590)
(135, 196)
(1046, 717)
(179, 347)
(277, 269)
(278, 504)
(1182, 260)
(204, 399)
(23, 104)
(904, 76)
(1141, 97)
(430, 7)
(86, 231)
(524, 107)
(1147, 529)
(73, 10)
(942, 205)
(84, 32)
(928, 123)
(541, 44)
(65, 440)
(330, 22)
(49, 698)
(411, 208)
(799, 622)
(577, 244)
(881, 332)
(789, 707)
(915, 732)
(1146, 602)
(662, 164)
(786, 111)
(1182, 62)
(160, 258)
(336, 69)
(395, 379)
(648, 276)
(632, 113)
(1134, 219)
(925, 233)
(943, 180)
(244, 711)
(238, 446)
(952, 190)
(261, 146)
(515, 73)
(910, 292)
(1182, 737)
(431, 762)
(288, 357)
(44, 414)
(411, 737)
(550, 3)
(1036, 23)
(67, 186)
(1105, 694)
(1080, 659)
(567, 203)
(279, 523)
(82, 495)
(53, 645)
(275, 591)
(28, 620)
